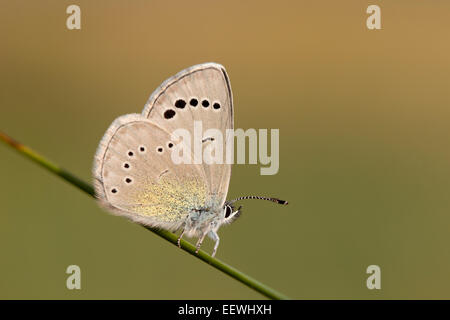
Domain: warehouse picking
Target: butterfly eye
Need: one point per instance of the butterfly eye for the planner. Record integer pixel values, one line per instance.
(228, 211)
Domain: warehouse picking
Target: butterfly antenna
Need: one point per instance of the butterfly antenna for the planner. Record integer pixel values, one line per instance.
(258, 198)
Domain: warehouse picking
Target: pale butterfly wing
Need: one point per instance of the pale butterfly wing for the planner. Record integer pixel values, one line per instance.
(200, 93)
(135, 176)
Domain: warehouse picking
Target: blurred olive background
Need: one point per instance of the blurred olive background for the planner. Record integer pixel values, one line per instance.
(364, 146)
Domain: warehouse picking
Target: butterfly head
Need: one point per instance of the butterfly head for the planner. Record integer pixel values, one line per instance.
(213, 219)
(207, 220)
(230, 213)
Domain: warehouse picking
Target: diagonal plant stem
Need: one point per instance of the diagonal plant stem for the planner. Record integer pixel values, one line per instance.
(169, 236)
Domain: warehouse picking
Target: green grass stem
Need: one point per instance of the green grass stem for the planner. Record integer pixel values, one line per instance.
(169, 236)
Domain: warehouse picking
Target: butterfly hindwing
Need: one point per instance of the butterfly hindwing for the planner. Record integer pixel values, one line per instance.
(135, 176)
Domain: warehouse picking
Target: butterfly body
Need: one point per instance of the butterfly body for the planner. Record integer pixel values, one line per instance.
(201, 221)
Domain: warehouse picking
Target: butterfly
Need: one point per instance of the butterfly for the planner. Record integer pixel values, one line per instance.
(135, 176)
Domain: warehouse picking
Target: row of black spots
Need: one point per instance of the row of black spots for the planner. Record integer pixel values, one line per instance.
(205, 103)
(216, 105)
(193, 102)
(141, 149)
(127, 165)
(160, 149)
(127, 180)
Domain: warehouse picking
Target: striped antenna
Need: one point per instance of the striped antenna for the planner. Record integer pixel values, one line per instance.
(258, 198)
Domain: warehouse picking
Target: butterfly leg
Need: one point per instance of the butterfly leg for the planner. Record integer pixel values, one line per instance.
(215, 237)
(179, 238)
(199, 242)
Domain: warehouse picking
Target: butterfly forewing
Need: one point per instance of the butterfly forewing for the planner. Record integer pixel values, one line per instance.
(202, 95)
